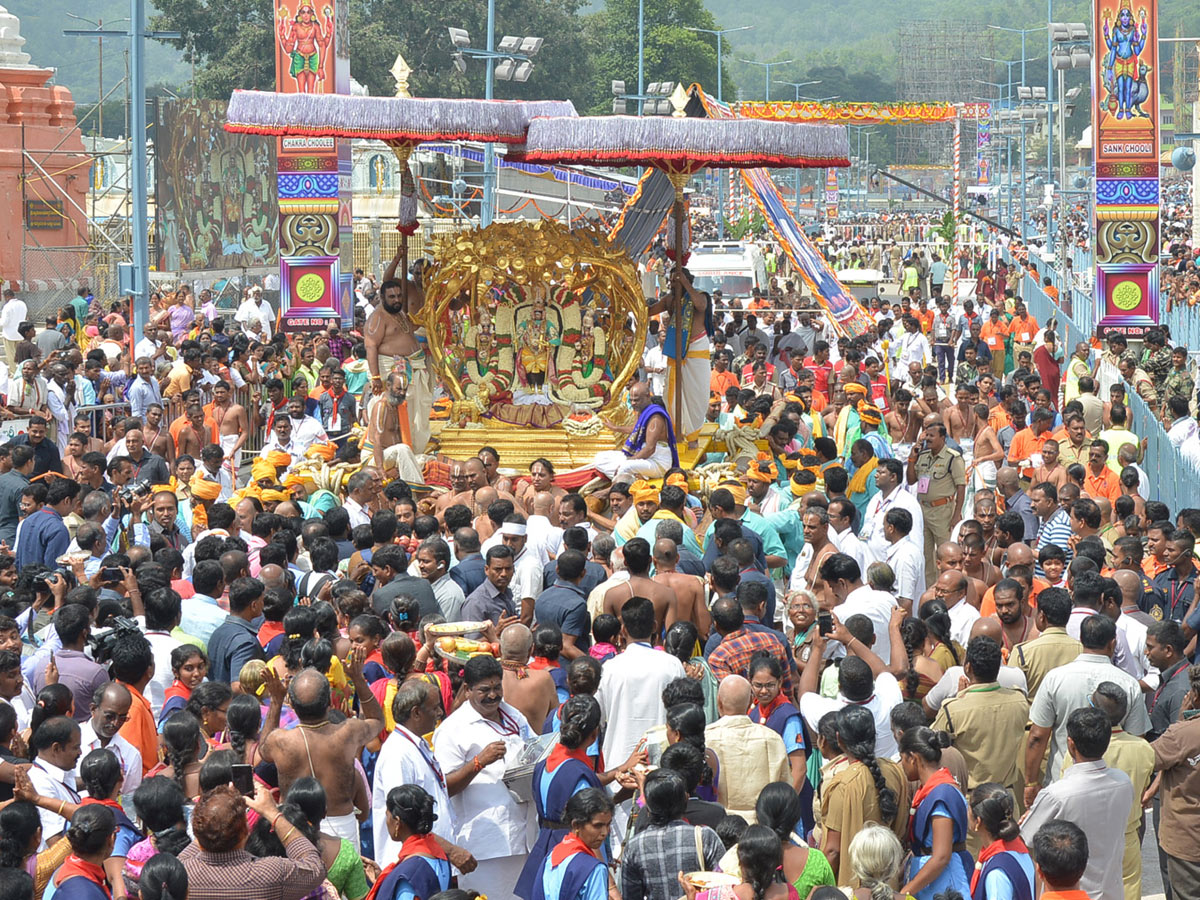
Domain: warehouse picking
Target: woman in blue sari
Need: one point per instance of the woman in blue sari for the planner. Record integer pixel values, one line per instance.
(563, 774)
(421, 870)
(937, 824)
(575, 869)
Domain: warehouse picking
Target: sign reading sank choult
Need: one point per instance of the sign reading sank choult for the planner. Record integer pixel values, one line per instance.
(1126, 141)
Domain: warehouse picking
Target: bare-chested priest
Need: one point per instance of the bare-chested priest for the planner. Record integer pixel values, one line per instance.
(233, 425)
(325, 750)
(384, 441)
(393, 341)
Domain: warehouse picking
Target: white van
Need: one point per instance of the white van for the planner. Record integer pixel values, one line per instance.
(734, 268)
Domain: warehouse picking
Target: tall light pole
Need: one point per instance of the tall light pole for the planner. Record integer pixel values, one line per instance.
(1022, 32)
(719, 32)
(515, 55)
(99, 23)
(1070, 48)
(797, 85)
(138, 286)
(767, 71)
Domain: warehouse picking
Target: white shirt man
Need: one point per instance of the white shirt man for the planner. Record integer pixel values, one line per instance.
(908, 565)
(630, 695)
(910, 347)
(886, 697)
(291, 448)
(51, 781)
(127, 755)
(962, 617)
(489, 821)
(894, 496)
(876, 606)
(254, 306)
(947, 686)
(849, 543)
(307, 431)
(655, 361)
(63, 411)
(405, 758)
(357, 512)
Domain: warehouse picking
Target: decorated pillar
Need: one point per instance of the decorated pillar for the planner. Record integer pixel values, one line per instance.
(831, 194)
(316, 263)
(1126, 141)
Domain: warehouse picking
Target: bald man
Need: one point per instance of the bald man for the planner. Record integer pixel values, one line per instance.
(1020, 558)
(531, 691)
(949, 557)
(637, 563)
(325, 750)
(751, 755)
(110, 708)
(689, 603)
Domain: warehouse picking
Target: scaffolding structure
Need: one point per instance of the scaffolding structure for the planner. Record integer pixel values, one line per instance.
(940, 61)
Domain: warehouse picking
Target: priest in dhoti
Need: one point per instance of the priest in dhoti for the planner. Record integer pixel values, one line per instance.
(695, 369)
(848, 427)
(418, 403)
(650, 449)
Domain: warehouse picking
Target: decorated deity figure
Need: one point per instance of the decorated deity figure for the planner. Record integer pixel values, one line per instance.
(303, 39)
(586, 381)
(536, 338)
(486, 373)
(1124, 43)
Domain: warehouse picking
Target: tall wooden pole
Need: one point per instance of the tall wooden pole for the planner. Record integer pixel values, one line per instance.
(678, 180)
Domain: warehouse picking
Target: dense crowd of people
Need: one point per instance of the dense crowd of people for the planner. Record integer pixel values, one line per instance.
(916, 626)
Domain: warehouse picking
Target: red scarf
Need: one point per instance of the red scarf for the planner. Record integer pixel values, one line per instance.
(1014, 846)
(940, 777)
(420, 845)
(764, 712)
(540, 662)
(561, 754)
(569, 845)
(81, 867)
(92, 801)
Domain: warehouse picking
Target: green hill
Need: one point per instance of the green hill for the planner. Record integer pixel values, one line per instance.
(76, 58)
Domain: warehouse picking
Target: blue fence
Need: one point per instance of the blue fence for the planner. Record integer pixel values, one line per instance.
(1172, 480)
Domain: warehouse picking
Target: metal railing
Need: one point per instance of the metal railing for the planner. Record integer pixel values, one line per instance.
(1173, 480)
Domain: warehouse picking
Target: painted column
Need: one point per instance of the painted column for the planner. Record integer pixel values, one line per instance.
(315, 226)
(1126, 141)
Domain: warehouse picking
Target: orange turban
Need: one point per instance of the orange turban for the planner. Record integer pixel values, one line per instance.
(869, 414)
(279, 459)
(262, 469)
(325, 451)
(855, 387)
(762, 469)
(643, 492)
(678, 480)
(203, 489)
(272, 496)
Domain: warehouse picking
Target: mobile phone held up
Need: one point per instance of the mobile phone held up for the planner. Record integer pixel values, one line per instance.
(243, 779)
(825, 623)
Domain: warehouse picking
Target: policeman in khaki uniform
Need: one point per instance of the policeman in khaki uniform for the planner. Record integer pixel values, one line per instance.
(1134, 756)
(987, 722)
(1053, 647)
(940, 477)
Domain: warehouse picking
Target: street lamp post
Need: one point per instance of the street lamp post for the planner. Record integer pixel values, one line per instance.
(1070, 48)
(516, 56)
(767, 71)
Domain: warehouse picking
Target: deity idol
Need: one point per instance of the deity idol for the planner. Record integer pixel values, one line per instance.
(1124, 44)
(303, 38)
(536, 338)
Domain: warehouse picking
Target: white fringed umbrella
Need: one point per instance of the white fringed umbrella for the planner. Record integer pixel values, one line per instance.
(401, 122)
(681, 147)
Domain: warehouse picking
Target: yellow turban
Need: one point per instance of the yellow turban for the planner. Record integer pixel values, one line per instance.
(262, 470)
(643, 492)
(869, 414)
(801, 485)
(168, 488)
(738, 490)
(678, 480)
(272, 496)
(203, 489)
(791, 462)
(279, 459)
(292, 480)
(855, 387)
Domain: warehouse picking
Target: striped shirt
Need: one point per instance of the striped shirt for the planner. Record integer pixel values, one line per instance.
(1055, 530)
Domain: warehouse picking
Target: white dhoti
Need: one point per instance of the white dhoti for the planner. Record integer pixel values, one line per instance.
(342, 826)
(401, 458)
(495, 877)
(697, 374)
(967, 446)
(232, 459)
(420, 394)
(616, 466)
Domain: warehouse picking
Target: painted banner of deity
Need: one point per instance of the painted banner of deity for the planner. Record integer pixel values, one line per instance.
(216, 206)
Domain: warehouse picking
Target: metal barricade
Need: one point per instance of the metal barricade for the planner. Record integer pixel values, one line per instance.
(103, 416)
(1173, 480)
